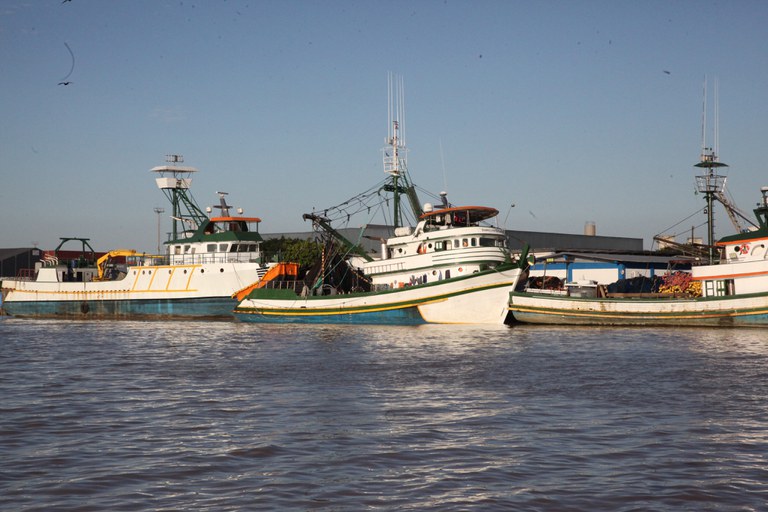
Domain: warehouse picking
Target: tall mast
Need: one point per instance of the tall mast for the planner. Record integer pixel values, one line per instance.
(395, 152)
(175, 181)
(710, 183)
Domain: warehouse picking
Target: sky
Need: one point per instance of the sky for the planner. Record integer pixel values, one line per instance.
(573, 111)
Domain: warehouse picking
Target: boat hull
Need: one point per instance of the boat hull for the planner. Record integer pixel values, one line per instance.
(201, 291)
(210, 308)
(477, 299)
(743, 310)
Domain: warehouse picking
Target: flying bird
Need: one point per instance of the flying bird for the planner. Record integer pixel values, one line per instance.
(71, 68)
(667, 72)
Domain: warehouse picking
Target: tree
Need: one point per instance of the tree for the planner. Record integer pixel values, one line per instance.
(296, 250)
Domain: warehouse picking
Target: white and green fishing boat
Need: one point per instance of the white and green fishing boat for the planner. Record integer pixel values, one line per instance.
(207, 259)
(452, 266)
(731, 287)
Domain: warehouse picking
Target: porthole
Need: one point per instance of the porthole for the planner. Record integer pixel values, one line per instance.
(185, 271)
(202, 271)
(221, 270)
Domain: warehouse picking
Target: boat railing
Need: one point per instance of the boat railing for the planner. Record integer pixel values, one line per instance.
(207, 258)
(26, 274)
(295, 286)
(387, 267)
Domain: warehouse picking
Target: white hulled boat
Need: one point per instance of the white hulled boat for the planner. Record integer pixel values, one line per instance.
(207, 260)
(450, 267)
(731, 290)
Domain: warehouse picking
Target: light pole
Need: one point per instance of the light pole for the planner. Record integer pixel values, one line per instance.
(159, 211)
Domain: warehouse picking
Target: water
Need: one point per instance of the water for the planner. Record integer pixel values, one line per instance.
(224, 416)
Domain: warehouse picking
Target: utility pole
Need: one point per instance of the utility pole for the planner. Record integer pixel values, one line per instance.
(159, 211)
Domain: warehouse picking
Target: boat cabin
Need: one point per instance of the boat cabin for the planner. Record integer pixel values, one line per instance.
(446, 229)
(219, 240)
(449, 242)
(743, 258)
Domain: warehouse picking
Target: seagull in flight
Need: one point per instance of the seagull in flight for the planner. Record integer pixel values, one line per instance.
(64, 80)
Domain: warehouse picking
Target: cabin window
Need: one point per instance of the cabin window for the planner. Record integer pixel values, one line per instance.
(719, 288)
(210, 248)
(464, 242)
(456, 243)
(186, 248)
(176, 249)
(223, 247)
(473, 242)
(491, 242)
(233, 248)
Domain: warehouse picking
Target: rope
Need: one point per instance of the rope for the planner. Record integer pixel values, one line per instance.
(677, 224)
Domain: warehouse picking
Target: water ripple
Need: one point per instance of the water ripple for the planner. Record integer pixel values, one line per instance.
(198, 416)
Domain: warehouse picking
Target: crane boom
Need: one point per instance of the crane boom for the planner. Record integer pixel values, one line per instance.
(735, 214)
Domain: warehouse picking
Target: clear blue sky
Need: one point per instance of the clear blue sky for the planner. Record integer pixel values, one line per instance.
(573, 111)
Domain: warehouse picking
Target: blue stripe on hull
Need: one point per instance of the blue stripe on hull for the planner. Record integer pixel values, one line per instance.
(404, 316)
(211, 307)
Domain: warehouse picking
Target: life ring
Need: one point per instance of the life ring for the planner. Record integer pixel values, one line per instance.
(422, 249)
(744, 249)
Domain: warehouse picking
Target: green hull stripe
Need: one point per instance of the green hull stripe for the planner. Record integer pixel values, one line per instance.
(342, 310)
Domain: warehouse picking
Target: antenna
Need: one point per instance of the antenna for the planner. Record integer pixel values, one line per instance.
(395, 155)
(704, 118)
(716, 142)
(223, 206)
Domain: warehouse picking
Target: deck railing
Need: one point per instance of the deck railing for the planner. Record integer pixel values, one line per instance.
(207, 258)
(26, 274)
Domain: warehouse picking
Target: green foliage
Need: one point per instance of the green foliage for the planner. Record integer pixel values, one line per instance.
(296, 250)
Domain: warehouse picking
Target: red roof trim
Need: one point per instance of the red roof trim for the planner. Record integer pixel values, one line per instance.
(235, 219)
(485, 212)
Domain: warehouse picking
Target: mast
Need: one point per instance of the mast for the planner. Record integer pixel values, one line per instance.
(175, 181)
(710, 183)
(395, 152)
